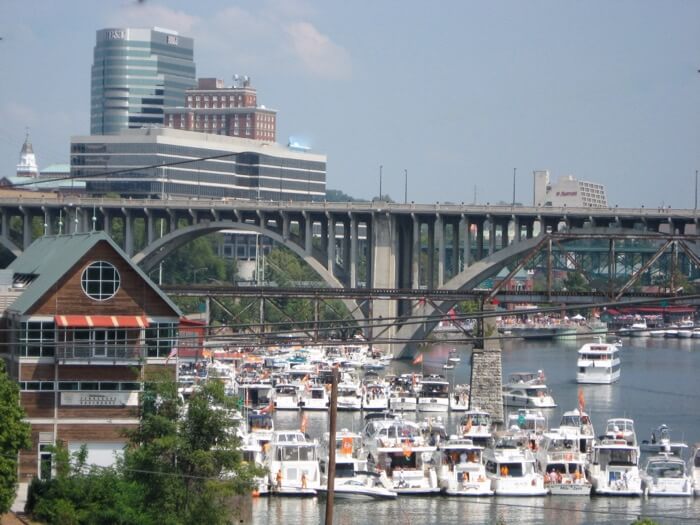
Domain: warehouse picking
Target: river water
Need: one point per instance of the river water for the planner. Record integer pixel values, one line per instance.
(658, 384)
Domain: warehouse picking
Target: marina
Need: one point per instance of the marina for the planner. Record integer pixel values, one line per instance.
(643, 394)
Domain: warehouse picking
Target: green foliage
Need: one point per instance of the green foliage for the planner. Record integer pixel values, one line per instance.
(180, 466)
(575, 282)
(644, 521)
(339, 196)
(198, 260)
(14, 436)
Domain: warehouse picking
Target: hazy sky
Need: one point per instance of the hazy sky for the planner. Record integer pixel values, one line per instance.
(457, 92)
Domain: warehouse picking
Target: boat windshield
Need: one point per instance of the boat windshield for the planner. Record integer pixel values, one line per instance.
(296, 453)
(666, 469)
(476, 420)
(621, 456)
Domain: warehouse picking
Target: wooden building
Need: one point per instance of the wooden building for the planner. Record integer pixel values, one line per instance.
(85, 329)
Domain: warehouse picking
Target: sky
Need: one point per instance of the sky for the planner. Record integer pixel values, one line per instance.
(458, 93)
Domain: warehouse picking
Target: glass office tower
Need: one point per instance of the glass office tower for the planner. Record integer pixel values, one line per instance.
(135, 74)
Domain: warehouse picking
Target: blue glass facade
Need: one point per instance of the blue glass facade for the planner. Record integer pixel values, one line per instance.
(135, 74)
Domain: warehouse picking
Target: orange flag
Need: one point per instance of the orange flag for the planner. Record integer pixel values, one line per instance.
(418, 360)
(581, 401)
(304, 422)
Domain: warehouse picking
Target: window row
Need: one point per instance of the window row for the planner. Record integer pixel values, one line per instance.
(50, 386)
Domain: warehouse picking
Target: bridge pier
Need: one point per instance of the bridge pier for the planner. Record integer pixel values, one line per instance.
(440, 233)
(353, 251)
(486, 391)
(384, 241)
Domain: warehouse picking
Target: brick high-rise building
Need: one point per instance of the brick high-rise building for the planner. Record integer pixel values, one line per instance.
(213, 107)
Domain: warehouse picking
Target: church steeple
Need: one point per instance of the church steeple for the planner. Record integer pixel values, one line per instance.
(27, 166)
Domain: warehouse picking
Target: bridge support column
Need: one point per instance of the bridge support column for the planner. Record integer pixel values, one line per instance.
(308, 233)
(440, 233)
(492, 236)
(150, 226)
(467, 229)
(47, 221)
(172, 221)
(516, 229)
(106, 221)
(384, 257)
(5, 224)
(415, 255)
(529, 227)
(486, 379)
(353, 252)
(504, 234)
(285, 226)
(456, 229)
(479, 240)
(430, 282)
(26, 229)
(330, 232)
(128, 232)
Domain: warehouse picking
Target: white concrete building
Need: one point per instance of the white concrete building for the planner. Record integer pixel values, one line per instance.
(567, 191)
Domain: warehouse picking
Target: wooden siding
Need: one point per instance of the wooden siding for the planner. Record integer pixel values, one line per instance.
(36, 372)
(97, 412)
(37, 404)
(98, 373)
(134, 297)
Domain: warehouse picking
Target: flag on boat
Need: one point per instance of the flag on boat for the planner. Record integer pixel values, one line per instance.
(268, 408)
(304, 422)
(418, 360)
(346, 446)
(468, 425)
(581, 401)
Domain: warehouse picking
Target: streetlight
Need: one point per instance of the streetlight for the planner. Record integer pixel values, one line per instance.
(514, 170)
(194, 273)
(380, 181)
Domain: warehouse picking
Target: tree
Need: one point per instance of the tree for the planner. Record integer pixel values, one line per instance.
(180, 466)
(14, 436)
(575, 282)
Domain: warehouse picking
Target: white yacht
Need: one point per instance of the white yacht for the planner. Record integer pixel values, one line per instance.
(512, 470)
(286, 397)
(621, 428)
(527, 424)
(563, 462)
(666, 475)
(314, 397)
(349, 394)
(694, 468)
(461, 469)
(639, 329)
(578, 423)
(598, 363)
(403, 396)
(354, 478)
(375, 396)
(292, 463)
(614, 468)
(434, 394)
(398, 447)
(255, 395)
(527, 390)
(476, 425)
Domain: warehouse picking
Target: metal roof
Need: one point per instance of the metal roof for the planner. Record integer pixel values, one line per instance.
(52, 256)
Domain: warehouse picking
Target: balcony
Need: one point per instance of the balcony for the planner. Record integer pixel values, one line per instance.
(78, 355)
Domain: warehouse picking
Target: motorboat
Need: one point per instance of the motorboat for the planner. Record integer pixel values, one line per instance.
(459, 398)
(292, 463)
(661, 442)
(255, 395)
(614, 468)
(512, 470)
(349, 394)
(621, 428)
(527, 390)
(666, 475)
(355, 477)
(314, 397)
(461, 469)
(252, 450)
(433, 395)
(286, 396)
(476, 425)
(528, 424)
(399, 448)
(694, 468)
(448, 366)
(453, 356)
(403, 396)
(563, 464)
(639, 329)
(375, 396)
(577, 422)
(598, 363)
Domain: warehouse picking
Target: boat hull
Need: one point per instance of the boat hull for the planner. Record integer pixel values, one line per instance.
(569, 489)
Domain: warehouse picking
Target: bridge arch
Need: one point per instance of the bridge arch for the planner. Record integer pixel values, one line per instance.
(154, 253)
(484, 269)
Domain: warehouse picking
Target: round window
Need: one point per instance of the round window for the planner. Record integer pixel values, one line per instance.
(100, 280)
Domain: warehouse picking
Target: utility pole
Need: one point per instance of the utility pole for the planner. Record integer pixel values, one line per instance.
(380, 181)
(696, 190)
(331, 449)
(405, 185)
(514, 170)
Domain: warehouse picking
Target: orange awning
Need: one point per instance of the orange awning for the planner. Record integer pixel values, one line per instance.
(101, 321)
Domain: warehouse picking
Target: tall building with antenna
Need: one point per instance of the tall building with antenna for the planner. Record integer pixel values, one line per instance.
(213, 107)
(135, 74)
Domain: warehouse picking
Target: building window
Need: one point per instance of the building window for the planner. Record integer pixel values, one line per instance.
(37, 339)
(100, 281)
